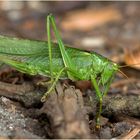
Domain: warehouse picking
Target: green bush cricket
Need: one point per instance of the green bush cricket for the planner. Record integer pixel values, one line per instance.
(58, 61)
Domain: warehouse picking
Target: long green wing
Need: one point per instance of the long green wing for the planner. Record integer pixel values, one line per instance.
(24, 47)
(30, 56)
(14, 46)
(27, 56)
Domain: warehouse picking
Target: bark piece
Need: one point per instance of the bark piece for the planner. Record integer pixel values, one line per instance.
(115, 105)
(24, 93)
(122, 104)
(65, 110)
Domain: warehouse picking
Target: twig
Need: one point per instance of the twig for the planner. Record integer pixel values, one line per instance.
(23, 93)
(16, 89)
(124, 82)
(131, 134)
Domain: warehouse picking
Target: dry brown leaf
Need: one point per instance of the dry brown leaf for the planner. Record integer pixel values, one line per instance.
(132, 57)
(4, 138)
(83, 85)
(84, 20)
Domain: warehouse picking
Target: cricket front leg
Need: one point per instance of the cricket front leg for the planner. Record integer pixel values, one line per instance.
(107, 86)
(45, 82)
(100, 99)
(53, 85)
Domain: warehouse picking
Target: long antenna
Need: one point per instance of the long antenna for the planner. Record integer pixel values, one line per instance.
(127, 78)
(129, 65)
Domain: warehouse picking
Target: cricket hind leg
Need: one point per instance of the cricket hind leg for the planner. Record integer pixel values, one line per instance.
(52, 79)
(65, 56)
(49, 48)
(66, 59)
(56, 79)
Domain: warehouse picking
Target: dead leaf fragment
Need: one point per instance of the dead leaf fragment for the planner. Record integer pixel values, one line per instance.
(132, 57)
(84, 20)
(83, 85)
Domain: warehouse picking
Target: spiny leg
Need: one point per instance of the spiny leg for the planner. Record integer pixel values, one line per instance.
(57, 78)
(66, 58)
(107, 86)
(45, 83)
(48, 27)
(53, 85)
(100, 98)
(49, 47)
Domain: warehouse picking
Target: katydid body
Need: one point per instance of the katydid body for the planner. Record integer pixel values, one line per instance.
(58, 61)
(32, 57)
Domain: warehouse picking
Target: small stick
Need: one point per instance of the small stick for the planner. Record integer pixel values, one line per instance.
(131, 134)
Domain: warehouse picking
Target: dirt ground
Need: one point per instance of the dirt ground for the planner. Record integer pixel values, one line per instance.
(110, 28)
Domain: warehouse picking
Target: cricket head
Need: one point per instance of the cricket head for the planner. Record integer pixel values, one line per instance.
(108, 72)
(111, 68)
(104, 68)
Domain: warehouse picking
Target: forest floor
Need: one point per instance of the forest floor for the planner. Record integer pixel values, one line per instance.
(110, 28)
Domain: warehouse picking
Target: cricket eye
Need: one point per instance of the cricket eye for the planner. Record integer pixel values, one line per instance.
(115, 66)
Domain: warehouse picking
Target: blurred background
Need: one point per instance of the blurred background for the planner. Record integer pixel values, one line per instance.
(109, 28)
